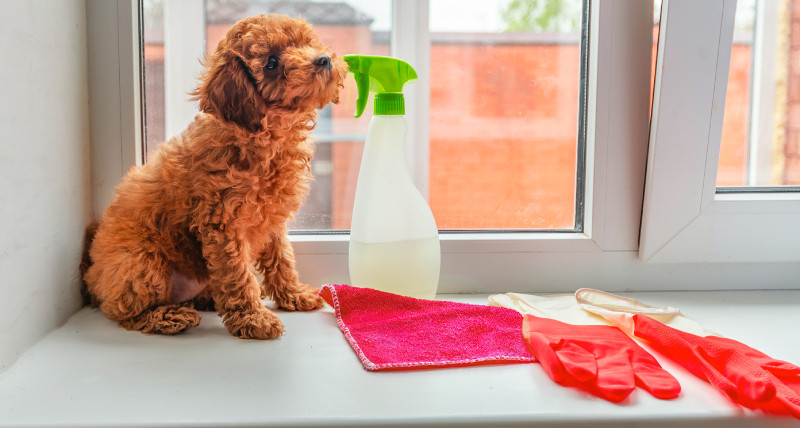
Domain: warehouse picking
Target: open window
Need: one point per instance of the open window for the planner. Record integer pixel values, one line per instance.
(687, 217)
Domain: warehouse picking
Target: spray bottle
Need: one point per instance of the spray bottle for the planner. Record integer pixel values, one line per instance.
(394, 241)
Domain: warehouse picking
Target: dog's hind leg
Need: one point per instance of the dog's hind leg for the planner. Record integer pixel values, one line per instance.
(148, 313)
(134, 290)
(166, 319)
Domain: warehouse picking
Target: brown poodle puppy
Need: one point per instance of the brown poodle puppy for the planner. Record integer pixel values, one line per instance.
(185, 230)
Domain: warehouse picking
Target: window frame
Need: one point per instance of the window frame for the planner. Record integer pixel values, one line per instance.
(605, 255)
(685, 218)
(115, 88)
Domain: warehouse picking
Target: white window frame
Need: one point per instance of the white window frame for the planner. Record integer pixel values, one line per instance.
(114, 95)
(604, 256)
(684, 218)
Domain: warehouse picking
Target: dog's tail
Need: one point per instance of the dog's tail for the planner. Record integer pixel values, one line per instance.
(86, 262)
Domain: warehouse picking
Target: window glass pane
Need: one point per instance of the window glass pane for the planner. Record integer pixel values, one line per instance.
(178, 33)
(504, 103)
(761, 128)
(505, 89)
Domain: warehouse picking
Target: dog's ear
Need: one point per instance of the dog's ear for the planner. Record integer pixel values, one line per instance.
(228, 91)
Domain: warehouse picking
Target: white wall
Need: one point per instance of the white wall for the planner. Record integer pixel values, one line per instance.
(44, 167)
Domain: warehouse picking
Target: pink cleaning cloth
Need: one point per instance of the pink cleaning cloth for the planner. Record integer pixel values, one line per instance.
(388, 331)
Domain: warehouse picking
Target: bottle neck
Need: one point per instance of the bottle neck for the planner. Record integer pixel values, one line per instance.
(389, 104)
(386, 141)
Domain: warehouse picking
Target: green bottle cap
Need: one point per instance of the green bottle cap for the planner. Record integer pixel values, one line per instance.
(385, 77)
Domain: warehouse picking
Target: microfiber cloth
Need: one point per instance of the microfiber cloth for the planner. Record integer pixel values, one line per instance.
(388, 331)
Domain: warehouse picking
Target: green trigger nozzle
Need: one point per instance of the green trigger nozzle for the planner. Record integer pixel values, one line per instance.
(385, 77)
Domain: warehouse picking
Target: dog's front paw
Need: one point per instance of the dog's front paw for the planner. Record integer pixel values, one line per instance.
(307, 299)
(254, 325)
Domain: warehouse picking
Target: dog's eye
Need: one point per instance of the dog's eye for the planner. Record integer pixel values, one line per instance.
(272, 62)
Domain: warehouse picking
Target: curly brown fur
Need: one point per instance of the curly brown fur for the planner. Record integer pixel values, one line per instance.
(86, 261)
(213, 203)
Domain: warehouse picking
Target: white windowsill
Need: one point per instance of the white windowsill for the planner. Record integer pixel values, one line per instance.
(89, 372)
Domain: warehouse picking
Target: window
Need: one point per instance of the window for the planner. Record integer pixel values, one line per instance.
(685, 218)
(504, 115)
(544, 152)
(505, 82)
(682, 220)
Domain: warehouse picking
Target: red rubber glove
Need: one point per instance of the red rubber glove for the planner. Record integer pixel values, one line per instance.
(596, 358)
(749, 377)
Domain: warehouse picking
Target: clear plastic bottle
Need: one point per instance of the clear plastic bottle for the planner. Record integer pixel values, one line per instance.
(394, 241)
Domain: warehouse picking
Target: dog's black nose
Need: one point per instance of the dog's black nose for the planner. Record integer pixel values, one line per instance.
(323, 61)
